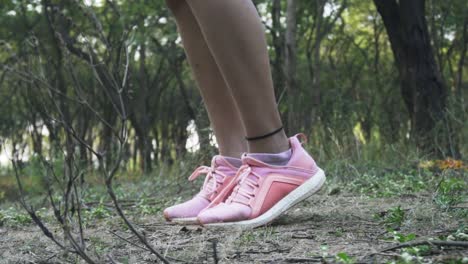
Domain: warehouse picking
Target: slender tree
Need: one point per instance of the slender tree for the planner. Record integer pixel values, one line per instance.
(290, 63)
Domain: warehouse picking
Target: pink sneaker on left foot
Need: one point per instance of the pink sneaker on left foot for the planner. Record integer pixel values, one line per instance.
(262, 192)
(218, 177)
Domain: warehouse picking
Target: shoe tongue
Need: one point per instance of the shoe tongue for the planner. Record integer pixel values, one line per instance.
(226, 165)
(252, 161)
(222, 161)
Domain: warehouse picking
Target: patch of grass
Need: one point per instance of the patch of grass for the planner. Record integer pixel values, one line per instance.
(393, 218)
(390, 183)
(99, 212)
(99, 244)
(247, 238)
(450, 192)
(146, 208)
(14, 217)
(262, 234)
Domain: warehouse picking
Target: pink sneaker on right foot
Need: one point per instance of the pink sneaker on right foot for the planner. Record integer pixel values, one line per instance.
(218, 176)
(261, 192)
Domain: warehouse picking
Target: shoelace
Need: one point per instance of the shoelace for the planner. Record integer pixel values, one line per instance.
(211, 173)
(246, 187)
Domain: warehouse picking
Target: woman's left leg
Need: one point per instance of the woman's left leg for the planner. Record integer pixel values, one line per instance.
(222, 111)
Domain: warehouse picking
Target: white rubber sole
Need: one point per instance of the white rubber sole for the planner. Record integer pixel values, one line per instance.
(185, 221)
(302, 192)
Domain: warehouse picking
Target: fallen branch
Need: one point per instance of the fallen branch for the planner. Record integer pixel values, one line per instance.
(214, 243)
(439, 243)
(318, 259)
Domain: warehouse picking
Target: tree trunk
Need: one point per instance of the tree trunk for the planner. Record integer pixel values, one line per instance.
(278, 46)
(461, 62)
(139, 118)
(316, 63)
(290, 63)
(421, 85)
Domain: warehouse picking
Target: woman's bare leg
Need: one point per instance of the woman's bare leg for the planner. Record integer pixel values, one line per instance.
(222, 111)
(236, 38)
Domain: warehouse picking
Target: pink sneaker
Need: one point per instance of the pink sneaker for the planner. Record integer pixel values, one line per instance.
(218, 176)
(261, 192)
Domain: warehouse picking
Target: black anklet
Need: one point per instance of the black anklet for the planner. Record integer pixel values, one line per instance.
(264, 136)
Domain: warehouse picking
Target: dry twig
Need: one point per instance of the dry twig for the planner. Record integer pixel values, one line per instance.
(439, 243)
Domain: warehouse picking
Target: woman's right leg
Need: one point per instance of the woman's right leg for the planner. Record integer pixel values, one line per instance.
(222, 111)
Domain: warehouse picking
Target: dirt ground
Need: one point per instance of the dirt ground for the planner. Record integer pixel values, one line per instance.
(315, 231)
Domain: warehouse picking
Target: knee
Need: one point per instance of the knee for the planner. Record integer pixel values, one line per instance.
(175, 5)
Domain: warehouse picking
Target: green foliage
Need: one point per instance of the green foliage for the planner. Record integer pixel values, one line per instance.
(339, 231)
(460, 235)
(14, 217)
(146, 208)
(393, 218)
(451, 191)
(402, 238)
(99, 245)
(342, 257)
(419, 250)
(98, 212)
(378, 182)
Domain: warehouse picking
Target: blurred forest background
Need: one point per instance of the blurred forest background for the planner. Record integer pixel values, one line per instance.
(364, 80)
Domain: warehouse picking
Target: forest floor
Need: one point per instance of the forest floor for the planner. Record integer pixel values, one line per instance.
(322, 229)
(340, 224)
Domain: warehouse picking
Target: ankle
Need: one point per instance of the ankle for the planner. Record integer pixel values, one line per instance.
(274, 144)
(232, 147)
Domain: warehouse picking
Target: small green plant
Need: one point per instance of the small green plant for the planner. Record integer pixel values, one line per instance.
(146, 208)
(393, 218)
(339, 232)
(247, 237)
(407, 258)
(342, 257)
(99, 212)
(402, 238)
(98, 244)
(460, 235)
(450, 192)
(324, 250)
(418, 250)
